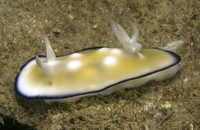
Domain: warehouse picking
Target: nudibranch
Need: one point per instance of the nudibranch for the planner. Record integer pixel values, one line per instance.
(99, 70)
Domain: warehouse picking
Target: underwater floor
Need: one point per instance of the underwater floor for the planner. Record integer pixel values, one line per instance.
(73, 25)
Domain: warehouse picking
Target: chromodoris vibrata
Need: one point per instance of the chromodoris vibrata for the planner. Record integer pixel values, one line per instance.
(98, 70)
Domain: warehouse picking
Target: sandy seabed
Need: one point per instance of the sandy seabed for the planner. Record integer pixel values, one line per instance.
(72, 25)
